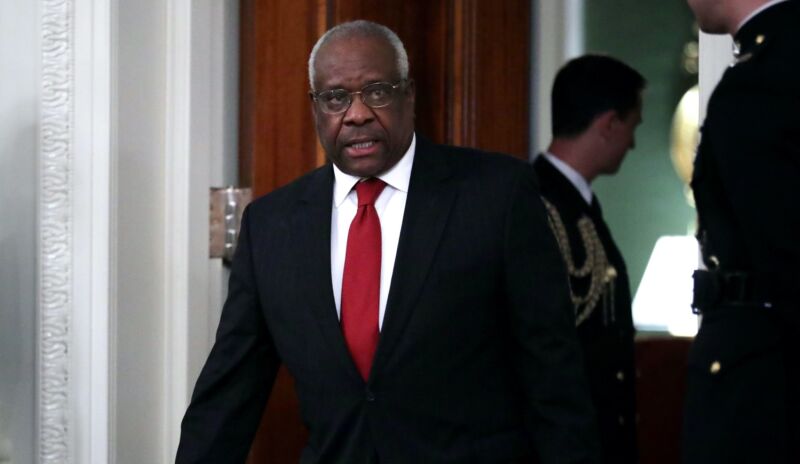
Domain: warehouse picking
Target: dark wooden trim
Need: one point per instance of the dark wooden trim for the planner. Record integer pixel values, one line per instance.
(246, 139)
(461, 73)
(278, 142)
(488, 75)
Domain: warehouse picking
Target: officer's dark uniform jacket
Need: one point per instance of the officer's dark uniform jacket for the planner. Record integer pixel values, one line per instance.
(601, 293)
(742, 391)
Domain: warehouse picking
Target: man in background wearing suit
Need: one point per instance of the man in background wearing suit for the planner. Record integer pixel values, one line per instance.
(413, 291)
(596, 107)
(742, 398)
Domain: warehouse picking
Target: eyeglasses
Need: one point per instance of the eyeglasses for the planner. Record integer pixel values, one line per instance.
(376, 95)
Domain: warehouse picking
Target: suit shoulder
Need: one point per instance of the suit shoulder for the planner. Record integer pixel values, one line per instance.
(481, 175)
(781, 48)
(287, 195)
(470, 160)
(772, 66)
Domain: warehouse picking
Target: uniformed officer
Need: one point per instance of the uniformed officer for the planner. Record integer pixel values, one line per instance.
(743, 367)
(596, 107)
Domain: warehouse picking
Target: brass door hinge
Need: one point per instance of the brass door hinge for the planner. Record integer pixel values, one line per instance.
(226, 207)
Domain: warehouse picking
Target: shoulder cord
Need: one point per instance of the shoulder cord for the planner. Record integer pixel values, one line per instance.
(596, 265)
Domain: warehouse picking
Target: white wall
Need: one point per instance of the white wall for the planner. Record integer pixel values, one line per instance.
(177, 93)
(715, 57)
(557, 27)
(202, 121)
(141, 111)
(213, 127)
(19, 56)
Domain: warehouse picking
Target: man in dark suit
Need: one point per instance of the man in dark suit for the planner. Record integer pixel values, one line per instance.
(596, 106)
(414, 292)
(742, 398)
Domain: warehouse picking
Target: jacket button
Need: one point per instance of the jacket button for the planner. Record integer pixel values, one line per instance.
(620, 376)
(370, 396)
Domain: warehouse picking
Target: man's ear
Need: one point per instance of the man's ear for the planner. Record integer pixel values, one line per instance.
(605, 123)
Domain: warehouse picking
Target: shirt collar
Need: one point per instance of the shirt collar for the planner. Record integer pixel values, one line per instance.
(757, 11)
(398, 177)
(572, 175)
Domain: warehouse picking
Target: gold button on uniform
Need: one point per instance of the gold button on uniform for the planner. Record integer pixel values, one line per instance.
(715, 367)
(760, 39)
(611, 273)
(620, 376)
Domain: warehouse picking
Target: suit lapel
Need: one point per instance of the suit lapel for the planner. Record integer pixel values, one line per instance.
(313, 226)
(429, 202)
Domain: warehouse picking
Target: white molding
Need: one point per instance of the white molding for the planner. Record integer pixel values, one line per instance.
(716, 55)
(177, 219)
(55, 295)
(202, 51)
(574, 28)
(94, 264)
(558, 35)
(76, 270)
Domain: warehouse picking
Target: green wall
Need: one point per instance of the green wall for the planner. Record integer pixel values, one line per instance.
(645, 199)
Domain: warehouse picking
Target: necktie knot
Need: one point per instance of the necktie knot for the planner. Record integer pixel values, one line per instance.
(369, 190)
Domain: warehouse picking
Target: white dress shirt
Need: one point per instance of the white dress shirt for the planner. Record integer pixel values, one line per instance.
(573, 176)
(390, 205)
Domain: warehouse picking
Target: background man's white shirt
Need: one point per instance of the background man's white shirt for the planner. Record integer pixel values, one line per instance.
(572, 175)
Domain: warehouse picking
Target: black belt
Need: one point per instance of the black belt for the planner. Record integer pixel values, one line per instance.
(714, 289)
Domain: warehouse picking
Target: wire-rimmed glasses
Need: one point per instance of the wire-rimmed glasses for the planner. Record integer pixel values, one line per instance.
(375, 95)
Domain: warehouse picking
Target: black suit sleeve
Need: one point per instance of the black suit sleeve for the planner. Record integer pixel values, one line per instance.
(234, 385)
(547, 354)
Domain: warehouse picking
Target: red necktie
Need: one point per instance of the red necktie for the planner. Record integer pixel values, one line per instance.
(361, 280)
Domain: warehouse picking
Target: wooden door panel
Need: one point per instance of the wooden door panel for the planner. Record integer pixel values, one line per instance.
(277, 144)
(276, 131)
(499, 65)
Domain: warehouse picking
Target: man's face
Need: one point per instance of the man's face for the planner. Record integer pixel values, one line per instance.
(362, 141)
(623, 138)
(712, 15)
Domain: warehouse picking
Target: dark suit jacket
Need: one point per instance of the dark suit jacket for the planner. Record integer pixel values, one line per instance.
(745, 185)
(477, 359)
(606, 335)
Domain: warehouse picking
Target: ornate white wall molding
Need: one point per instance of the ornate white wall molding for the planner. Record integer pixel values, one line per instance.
(55, 230)
(75, 268)
(78, 203)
